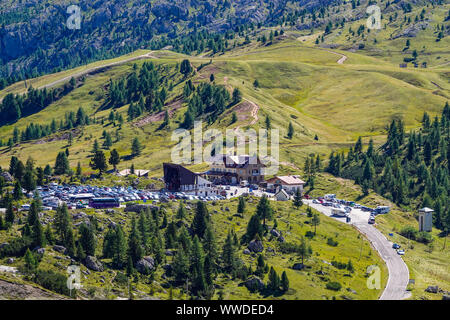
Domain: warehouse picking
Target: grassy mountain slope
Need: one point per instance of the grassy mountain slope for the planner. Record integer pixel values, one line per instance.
(305, 284)
(303, 84)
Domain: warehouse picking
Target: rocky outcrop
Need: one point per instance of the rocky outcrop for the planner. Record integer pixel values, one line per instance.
(412, 30)
(275, 233)
(93, 263)
(59, 249)
(145, 265)
(298, 266)
(256, 246)
(432, 289)
(254, 284)
(6, 176)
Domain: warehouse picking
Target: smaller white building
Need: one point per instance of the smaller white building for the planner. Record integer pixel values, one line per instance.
(290, 184)
(426, 219)
(282, 196)
(137, 172)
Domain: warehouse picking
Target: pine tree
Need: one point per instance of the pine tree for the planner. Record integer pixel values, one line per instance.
(114, 159)
(80, 254)
(61, 164)
(254, 228)
(200, 221)
(134, 243)
(108, 243)
(241, 205)
(136, 148)
(315, 221)
(108, 141)
(284, 282)
(263, 210)
(29, 180)
(298, 198)
(9, 215)
(62, 222)
(166, 119)
(17, 192)
(197, 266)
(290, 130)
(260, 266)
(181, 212)
(30, 262)
(237, 96)
(229, 254)
(33, 213)
(185, 67)
(181, 265)
(49, 235)
(87, 239)
(304, 250)
(188, 122)
(274, 280)
(70, 243)
(39, 239)
(210, 247)
(98, 162)
(268, 124)
(95, 147)
(119, 257)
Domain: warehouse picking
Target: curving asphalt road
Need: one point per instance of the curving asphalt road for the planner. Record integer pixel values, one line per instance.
(398, 271)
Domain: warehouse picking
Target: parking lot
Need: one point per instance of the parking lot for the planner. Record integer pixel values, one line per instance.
(356, 215)
(79, 196)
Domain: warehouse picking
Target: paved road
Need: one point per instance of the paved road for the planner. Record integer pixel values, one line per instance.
(398, 271)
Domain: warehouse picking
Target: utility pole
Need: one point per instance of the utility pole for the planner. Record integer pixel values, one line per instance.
(360, 250)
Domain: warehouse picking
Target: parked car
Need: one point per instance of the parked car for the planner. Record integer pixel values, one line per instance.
(401, 252)
(396, 246)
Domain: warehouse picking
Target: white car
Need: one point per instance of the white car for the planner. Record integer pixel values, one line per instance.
(25, 207)
(401, 252)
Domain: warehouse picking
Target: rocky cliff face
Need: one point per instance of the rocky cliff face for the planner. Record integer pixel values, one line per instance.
(34, 35)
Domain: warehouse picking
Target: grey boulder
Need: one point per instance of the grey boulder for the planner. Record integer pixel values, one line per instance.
(93, 264)
(256, 246)
(145, 265)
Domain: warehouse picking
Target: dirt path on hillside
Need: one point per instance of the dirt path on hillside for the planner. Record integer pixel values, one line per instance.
(171, 109)
(95, 69)
(254, 112)
(242, 106)
(342, 58)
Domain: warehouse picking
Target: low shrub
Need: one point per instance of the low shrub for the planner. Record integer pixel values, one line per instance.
(332, 242)
(52, 281)
(333, 285)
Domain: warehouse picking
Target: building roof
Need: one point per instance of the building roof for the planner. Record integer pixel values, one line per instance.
(287, 180)
(137, 172)
(175, 173)
(426, 210)
(282, 192)
(241, 161)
